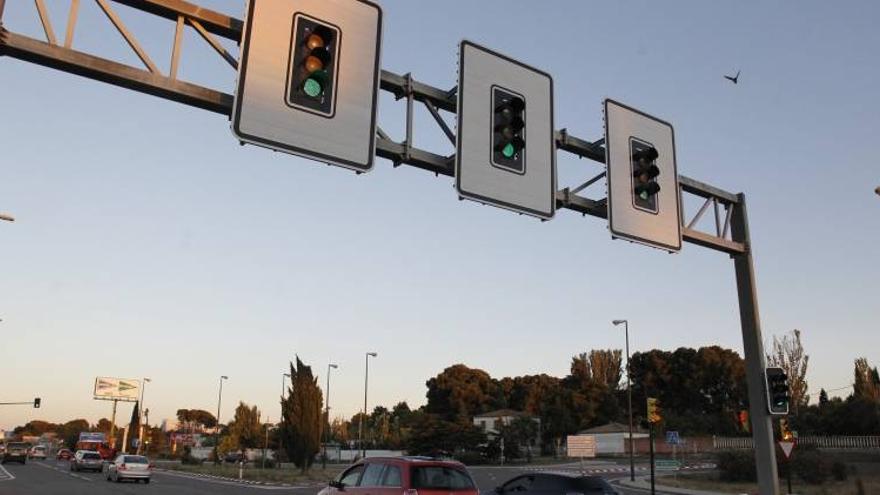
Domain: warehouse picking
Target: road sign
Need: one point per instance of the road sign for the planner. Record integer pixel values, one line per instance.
(655, 414)
(505, 150)
(643, 197)
(95, 437)
(667, 465)
(581, 445)
(308, 79)
(116, 388)
(672, 438)
(787, 447)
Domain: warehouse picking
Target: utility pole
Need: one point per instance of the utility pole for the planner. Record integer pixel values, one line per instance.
(327, 415)
(753, 346)
(141, 419)
(364, 415)
(217, 432)
(629, 398)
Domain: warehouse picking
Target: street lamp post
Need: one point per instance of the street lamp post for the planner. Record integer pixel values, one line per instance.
(629, 394)
(141, 419)
(366, 382)
(217, 432)
(327, 415)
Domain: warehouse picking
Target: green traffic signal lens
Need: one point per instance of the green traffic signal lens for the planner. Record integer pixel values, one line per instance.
(508, 150)
(312, 87)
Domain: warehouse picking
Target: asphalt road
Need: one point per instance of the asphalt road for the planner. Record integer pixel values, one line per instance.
(52, 477)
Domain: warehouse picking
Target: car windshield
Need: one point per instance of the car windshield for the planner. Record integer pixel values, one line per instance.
(92, 455)
(135, 459)
(440, 478)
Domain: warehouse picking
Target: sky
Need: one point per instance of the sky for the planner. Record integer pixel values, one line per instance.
(149, 243)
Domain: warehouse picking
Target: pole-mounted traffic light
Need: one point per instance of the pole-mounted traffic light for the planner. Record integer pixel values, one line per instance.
(655, 414)
(643, 158)
(778, 395)
(313, 67)
(37, 403)
(508, 130)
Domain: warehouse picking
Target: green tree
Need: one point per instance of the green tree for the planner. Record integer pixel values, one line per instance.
(459, 392)
(302, 416)
(245, 430)
(431, 435)
(866, 384)
(788, 354)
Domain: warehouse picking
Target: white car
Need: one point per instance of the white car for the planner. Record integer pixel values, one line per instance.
(38, 452)
(129, 467)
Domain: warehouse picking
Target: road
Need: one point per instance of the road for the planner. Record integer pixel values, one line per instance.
(52, 477)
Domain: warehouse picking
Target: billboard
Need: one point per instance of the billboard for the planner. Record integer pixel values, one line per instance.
(581, 446)
(92, 437)
(108, 388)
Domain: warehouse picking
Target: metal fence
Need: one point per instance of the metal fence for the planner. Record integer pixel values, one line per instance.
(822, 442)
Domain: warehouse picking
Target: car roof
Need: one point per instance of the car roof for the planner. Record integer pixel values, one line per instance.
(413, 459)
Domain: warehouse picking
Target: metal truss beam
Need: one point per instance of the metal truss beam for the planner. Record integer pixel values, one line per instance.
(401, 86)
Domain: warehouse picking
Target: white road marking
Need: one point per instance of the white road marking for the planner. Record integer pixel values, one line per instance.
(62, 471)
(243, 484)
(8, 476)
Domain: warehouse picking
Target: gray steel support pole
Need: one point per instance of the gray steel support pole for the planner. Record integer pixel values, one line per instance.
(361, 425)
(753, 347)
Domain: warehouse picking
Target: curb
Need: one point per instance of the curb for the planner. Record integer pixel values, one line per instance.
(236, 480)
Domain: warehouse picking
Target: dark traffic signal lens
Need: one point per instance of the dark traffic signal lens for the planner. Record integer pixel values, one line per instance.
(508, 130)
(313, 66)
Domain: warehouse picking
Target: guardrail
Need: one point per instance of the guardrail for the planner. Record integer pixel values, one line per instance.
(856, 442)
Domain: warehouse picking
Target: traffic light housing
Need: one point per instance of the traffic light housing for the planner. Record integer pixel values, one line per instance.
(313, 65)
(37, 402)
(778, 394)
(655, 414)
(643, 160)
(508, 130)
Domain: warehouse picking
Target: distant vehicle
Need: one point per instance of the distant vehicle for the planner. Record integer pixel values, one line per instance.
(553, 483)
(38, 452)
(404, 475)
(87, 460)
(233, 457)
(97, 442)
(129, 467)
(15, 451)
(64, 454)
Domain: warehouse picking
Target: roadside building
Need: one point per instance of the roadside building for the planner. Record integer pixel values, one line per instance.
(612, 438)
(492, 422)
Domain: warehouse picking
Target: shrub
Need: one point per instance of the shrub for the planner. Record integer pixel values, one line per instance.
(811, 466)
(737, 466)
(470, 458)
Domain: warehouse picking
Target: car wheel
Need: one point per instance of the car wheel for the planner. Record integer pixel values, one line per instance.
(108, 476)
(147, 481)
(118, 479)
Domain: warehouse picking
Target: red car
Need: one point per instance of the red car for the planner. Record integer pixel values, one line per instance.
(64, 454)
(403, 476)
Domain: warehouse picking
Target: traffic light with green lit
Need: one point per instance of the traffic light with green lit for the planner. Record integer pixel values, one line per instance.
(778, 394)
(313, 66)
(643, 159)
(508, 130)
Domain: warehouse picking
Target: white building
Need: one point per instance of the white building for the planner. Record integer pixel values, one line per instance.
(491, 423)
(612, 437)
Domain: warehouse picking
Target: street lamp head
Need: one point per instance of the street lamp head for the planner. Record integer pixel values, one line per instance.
(147, 380)
(373, 354)
(877, 190)
(618, 322)
(224, 377)
(334, 366)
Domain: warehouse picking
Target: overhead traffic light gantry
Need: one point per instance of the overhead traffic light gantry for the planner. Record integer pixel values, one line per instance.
(778, 392)
(313, 69)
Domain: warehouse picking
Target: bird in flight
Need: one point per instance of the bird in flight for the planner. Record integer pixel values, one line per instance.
(733, 79)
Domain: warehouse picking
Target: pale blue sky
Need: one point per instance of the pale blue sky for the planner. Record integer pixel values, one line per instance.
(149, 243)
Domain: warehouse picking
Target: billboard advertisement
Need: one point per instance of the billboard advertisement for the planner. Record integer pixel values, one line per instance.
(116, 388)
(92, 437)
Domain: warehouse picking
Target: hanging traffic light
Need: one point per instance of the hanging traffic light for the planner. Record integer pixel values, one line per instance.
(778, 395)
(508, 130)
(655, 414)
(643, 158)
(314, 56)
(37, 403)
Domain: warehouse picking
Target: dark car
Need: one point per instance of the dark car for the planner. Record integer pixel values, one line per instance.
(403, 475)
(554, 484)
(233, 457)
(16, 451)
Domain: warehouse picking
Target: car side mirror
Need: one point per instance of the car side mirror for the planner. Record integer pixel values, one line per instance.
(338, 485)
